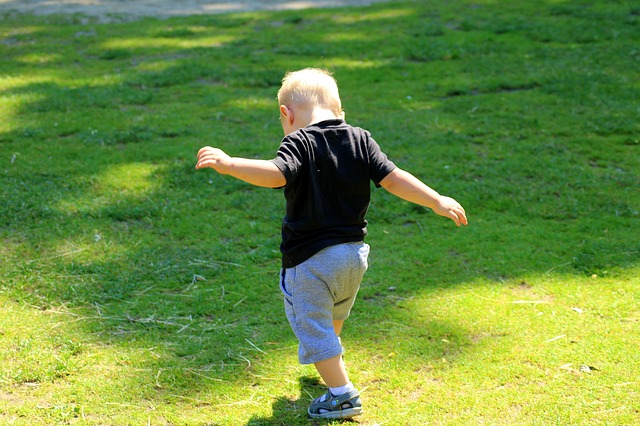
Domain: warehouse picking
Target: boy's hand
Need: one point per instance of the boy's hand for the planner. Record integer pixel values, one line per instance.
(215, 158)
(448, 207)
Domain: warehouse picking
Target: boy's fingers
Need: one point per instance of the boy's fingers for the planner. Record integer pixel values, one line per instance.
(458, 216)
(212, 160)
(207, 155)
(462, 217)
(203, 149)
(202, 162)
(205, 162)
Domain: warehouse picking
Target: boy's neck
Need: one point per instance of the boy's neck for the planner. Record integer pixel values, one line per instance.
(305, 117)
(321, 114)
(296, 118)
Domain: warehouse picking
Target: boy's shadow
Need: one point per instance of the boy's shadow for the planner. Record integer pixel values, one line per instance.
(288, 412)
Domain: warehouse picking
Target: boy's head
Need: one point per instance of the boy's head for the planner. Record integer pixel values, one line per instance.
(310, 88)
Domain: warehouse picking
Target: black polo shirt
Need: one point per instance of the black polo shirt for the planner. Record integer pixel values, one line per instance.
(328, 167)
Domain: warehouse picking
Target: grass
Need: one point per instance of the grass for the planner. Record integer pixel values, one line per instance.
(137, 291)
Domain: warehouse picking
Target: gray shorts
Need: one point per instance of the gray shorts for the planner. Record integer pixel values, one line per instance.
(320, 290)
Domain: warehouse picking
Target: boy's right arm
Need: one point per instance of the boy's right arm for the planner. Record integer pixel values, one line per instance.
(256, 172)
(406, 186)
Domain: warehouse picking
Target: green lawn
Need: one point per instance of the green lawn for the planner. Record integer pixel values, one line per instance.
(135, 290)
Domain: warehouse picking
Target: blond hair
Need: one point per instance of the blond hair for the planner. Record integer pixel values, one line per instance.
(310, 87)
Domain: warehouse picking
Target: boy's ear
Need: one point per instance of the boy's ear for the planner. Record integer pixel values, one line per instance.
(286, 112)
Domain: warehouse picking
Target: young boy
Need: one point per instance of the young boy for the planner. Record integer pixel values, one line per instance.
(325, 167)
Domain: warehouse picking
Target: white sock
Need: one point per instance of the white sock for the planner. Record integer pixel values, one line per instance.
(342, 389)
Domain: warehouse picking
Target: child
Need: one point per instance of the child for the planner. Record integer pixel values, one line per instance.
(325, 167)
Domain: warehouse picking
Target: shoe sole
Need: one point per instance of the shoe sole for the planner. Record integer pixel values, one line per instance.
(338, 414)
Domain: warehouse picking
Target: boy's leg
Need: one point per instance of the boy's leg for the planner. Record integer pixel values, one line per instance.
(337, 326)
(317, 292)
(318, 296)
(333, 371)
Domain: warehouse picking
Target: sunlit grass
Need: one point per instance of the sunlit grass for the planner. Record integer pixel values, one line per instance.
(251, 102)
(172, 40)
(39, 59)
(134, 178)
(373, 16)
(350, 63)
(124, 184)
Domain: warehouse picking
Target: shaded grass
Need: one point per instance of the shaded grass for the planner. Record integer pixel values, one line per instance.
(135, 290)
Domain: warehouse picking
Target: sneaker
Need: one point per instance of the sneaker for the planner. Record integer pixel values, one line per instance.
(342, 406)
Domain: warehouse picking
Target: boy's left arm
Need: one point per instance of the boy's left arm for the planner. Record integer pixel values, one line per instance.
(256, 172)
(406, 186)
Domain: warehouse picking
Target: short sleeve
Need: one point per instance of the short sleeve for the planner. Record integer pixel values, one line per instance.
(380, 165)
(289, 158)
